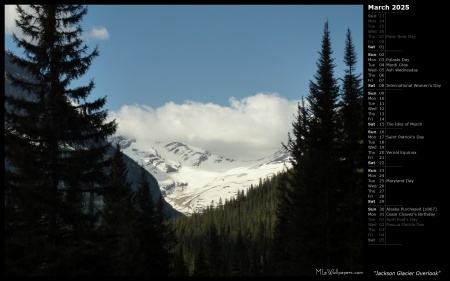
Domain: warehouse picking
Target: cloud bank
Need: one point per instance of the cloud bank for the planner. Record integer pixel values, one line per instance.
(247, 129)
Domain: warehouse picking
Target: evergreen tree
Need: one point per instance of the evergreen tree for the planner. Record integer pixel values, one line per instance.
(119, 218)
(239, 259)
(255, 267)
(351, 115)
(214, 251)
(55, 142)
(165, 238)
(200, 266)
(144, 198)
(314, 170)
(282, 252)
(151, 246)
(180, 267)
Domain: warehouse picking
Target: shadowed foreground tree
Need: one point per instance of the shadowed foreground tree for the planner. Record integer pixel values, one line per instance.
(351, 115)
(316, 184)
(153, 232)
(55, 142)
(314, 220)
(165, 239)
(119, 219)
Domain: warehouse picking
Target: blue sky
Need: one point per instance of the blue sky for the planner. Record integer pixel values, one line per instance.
(217, 57)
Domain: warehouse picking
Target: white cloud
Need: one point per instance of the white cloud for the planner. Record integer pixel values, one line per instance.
(11, 15)
(250, 128)
(100, 33)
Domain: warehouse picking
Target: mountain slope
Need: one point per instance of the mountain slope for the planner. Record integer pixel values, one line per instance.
(192, 178)
(133, 176)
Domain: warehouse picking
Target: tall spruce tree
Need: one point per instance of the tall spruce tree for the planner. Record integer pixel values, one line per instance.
(314, 171)
(283, 232)
(200, 266)
(151, 246)
(180, 267)
(165, 238)
(214, 251)
(144, 198)
(55, 140)
(119, 219)
(351, 114)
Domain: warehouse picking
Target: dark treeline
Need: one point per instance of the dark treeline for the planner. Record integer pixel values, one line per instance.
(233, 238)
(306, 218)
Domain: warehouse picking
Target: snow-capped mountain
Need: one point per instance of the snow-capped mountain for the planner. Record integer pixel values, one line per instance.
(191, 178)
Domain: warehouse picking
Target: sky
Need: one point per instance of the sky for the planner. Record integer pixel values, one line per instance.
(226, 78)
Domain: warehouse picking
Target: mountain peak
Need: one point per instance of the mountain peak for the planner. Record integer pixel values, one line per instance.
(122, 141)
(191, 178)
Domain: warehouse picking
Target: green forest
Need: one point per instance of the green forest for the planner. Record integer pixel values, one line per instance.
(306, 218)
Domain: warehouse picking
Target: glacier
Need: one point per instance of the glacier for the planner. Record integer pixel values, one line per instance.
(191, 178)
